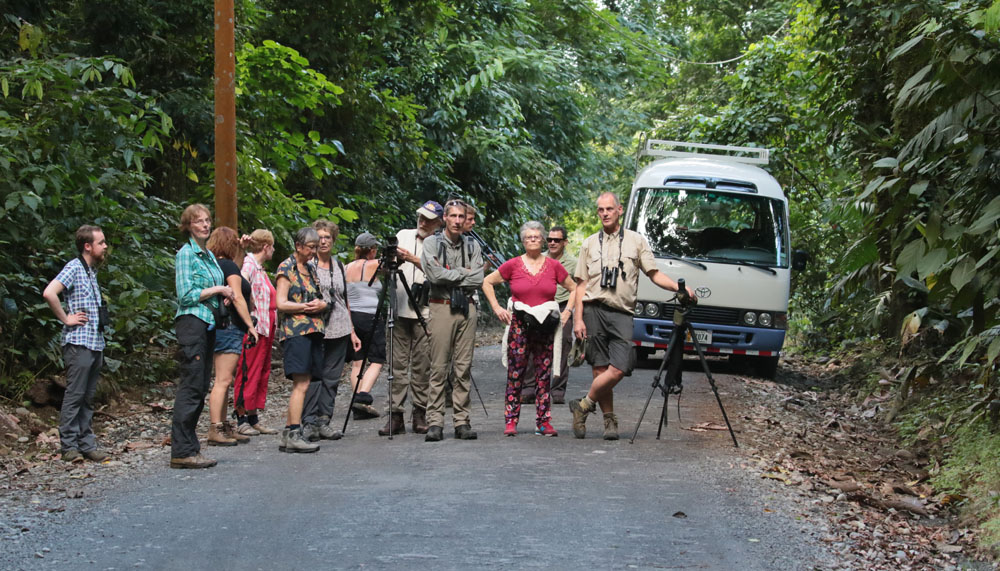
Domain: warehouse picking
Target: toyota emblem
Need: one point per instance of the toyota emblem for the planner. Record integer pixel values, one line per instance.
(703, 292)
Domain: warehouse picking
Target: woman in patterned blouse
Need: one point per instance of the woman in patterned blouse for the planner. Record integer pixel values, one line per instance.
(301, 333)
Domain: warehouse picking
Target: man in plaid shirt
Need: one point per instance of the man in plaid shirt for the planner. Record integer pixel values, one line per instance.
(82, 342)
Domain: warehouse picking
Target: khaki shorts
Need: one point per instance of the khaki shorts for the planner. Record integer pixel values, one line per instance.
(609, 337)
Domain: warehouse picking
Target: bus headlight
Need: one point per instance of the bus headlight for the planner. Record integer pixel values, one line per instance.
(764, 319)
(638, 309)
(652, 310)
(750, 318)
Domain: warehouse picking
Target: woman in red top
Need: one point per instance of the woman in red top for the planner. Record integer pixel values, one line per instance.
(533, 322)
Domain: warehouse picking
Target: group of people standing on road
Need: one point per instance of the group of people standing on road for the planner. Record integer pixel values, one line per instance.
(323, 314)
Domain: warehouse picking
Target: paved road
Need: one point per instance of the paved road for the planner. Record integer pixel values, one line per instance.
(504, 503)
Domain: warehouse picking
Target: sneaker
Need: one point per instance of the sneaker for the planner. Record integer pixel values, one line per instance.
(364, 411)
(610, 426)
(295, 443)
(579, 417)
(545, 429)
(192, 462)
(511, 428)
(72, 455)
(95, 455)
(264, 429)
(465, 432)
(245, 429)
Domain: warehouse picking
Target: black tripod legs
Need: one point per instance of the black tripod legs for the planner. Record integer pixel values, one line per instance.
(671, 383)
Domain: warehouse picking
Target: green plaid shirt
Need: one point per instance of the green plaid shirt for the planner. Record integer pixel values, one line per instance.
(194, 270)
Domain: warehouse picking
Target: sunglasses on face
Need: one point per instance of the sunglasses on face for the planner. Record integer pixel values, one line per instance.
(554, 240)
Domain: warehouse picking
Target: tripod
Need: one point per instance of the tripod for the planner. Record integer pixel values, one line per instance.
(390, 268)
(673, 363)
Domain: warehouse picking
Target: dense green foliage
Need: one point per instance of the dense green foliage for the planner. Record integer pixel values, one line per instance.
(882, 118)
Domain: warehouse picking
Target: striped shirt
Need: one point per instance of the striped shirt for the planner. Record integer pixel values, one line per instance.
(261, 286)
(82, 293)
(194, 270)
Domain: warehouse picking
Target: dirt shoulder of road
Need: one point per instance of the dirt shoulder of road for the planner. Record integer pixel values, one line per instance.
(809, 433)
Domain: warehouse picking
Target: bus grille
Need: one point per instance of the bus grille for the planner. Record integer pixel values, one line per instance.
(705, 314)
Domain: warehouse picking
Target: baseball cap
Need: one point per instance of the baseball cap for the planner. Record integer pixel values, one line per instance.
(431, 209)
(366, 240)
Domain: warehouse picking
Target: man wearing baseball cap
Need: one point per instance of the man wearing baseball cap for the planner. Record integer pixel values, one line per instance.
(410, 348)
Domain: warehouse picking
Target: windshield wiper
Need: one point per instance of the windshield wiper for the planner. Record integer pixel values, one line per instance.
(680, 259)
(767, 269)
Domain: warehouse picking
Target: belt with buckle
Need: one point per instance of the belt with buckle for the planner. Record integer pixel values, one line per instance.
(448, 301)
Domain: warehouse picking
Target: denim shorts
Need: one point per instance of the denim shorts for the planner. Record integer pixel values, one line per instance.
(229, 340)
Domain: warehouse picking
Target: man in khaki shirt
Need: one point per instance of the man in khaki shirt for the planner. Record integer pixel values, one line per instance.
(607, 279)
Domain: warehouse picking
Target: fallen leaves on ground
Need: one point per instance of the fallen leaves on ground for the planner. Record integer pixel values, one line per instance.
(838, 456)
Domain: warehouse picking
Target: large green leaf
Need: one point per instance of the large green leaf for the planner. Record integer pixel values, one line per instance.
(910, 257)
(963, 273)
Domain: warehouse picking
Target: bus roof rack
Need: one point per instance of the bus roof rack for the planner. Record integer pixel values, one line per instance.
(661, 148)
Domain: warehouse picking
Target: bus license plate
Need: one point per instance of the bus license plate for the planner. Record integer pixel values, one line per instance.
(704, 336)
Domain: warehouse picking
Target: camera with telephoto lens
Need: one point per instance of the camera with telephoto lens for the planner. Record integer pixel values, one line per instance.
(390, 254)
(609, 277)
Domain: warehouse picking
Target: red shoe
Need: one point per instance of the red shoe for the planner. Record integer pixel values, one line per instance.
(545, 429)
(511, 428)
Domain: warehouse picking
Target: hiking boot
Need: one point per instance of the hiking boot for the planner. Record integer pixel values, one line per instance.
(610, 426)
(434, 434)
(95, 455)
(229, 432)
(245, 429)
(465, 432)
(579, 417)
(545, 429)
(418, 418)
(395, 425)
(192, 462)
(310, 432)
(72, 455)
(217, 436)
(293, 442)
(511, 428)
(327, 432)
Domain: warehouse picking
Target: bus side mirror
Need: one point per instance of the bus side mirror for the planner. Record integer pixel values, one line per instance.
(799, 260)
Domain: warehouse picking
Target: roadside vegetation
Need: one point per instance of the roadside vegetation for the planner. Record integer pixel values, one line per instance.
(883, 120)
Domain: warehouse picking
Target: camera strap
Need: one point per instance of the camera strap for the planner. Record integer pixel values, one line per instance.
(621, 241)
(93, 281)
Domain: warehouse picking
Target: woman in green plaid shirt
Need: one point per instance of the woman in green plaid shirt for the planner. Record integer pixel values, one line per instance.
(200, 290)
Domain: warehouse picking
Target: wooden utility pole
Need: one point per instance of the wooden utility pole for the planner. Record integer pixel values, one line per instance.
(225, 113)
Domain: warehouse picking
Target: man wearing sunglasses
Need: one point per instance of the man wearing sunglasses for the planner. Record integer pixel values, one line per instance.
(556, 241)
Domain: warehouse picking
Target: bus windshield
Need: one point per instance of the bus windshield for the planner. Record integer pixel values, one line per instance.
(713, 226)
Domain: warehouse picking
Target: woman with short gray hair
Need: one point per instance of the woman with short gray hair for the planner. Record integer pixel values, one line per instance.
(300, 332)
(534, 323)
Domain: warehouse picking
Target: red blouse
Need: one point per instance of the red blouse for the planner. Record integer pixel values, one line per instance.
(533, 289)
